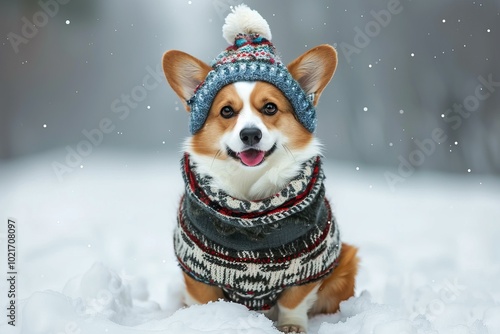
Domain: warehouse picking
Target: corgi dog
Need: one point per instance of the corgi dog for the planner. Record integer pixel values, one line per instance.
(254, 226)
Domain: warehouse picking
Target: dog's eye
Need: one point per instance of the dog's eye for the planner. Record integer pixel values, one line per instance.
(227, 112)
(270, 109)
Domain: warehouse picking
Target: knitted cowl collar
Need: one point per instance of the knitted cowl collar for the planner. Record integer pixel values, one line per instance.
(297, 195)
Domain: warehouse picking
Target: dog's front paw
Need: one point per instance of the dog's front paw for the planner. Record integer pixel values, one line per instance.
(292, 329)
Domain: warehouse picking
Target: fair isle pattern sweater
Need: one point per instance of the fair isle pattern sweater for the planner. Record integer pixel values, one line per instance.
(253, 250)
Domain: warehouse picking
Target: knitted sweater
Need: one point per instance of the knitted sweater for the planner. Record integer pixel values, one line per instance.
(253, 250)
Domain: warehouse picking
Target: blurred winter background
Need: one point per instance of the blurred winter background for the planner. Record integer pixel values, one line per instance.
(90, 135)
(386, 93)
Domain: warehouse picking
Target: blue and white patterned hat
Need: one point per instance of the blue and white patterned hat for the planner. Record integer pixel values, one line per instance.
(251, 57)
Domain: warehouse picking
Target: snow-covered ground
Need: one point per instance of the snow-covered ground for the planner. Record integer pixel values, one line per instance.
(95, 251)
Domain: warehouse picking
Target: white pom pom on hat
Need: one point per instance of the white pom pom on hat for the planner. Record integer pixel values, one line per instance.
(244, 20)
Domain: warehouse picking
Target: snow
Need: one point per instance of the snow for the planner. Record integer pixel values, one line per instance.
(95, 251)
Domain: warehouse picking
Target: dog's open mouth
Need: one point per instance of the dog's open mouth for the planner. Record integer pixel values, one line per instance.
(250, 157)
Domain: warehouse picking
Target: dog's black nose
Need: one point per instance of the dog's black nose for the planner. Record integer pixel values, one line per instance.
(250, 136)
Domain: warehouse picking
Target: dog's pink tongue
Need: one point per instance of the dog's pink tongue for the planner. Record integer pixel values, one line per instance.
(251, 157)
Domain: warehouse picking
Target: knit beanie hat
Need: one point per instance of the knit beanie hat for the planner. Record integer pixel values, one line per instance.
(250, 57)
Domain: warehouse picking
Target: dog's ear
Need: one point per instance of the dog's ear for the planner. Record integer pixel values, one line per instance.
(184, 73)
(314, 69)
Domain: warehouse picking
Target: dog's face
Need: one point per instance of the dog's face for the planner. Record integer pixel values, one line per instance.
(248, 123)
(251, 126)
